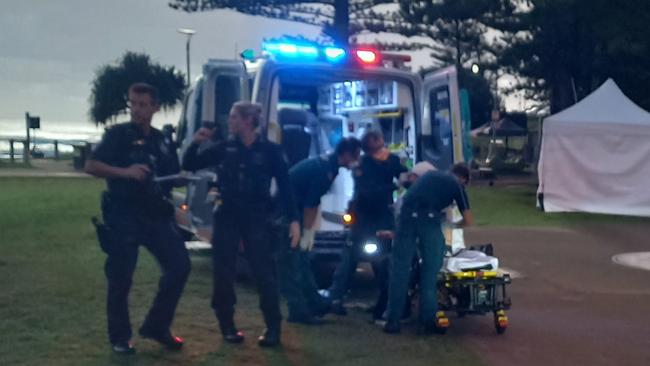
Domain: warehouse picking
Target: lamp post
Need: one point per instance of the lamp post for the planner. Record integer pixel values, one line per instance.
(189, 33)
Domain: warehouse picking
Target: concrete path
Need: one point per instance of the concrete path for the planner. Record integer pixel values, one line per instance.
(573, 305)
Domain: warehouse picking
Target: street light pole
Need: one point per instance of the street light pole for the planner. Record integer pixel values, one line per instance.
(189, 33)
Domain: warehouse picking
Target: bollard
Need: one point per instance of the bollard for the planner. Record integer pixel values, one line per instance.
(11, 150)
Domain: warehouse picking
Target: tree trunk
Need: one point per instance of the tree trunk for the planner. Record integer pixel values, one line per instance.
(342, 22)
(561, 91)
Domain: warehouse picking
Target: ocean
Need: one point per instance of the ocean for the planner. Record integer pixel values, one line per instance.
(66, 133)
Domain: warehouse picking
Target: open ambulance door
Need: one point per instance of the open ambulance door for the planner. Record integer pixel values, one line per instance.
(223, 83)
(440, 135)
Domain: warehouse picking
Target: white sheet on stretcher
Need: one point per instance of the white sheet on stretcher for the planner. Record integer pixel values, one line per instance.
(469, 259)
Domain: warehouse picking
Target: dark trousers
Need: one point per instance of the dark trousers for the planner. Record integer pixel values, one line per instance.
(381, 271)
(297, 282)
(366, 226)
(251, 227)
(159, 234)
(345, 271)
(421, 231)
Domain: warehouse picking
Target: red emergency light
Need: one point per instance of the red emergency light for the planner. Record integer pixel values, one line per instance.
(367, 56)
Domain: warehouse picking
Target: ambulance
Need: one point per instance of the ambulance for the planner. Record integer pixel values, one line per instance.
(312, 96)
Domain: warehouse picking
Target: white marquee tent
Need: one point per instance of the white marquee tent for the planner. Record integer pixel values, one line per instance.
(595, 156)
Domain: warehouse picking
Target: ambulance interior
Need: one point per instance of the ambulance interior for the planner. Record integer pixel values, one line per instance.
(310, 114)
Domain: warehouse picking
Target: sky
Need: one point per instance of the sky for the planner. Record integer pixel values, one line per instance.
(50, 50)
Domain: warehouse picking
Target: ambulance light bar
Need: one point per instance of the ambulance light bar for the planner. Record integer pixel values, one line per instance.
(308, 52)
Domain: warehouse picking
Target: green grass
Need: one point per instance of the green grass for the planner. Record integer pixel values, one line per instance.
(53, 292)
(515, 206)
(8, 164)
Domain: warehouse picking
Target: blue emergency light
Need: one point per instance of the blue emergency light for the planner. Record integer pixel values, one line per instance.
(291, 50)
(297, 52)
(334, 54)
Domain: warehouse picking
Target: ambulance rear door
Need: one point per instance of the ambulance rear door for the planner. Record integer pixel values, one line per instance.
(440, 133)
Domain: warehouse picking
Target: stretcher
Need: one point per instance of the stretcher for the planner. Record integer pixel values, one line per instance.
(470, 283)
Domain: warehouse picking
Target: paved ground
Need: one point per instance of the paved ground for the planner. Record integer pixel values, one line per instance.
(573, 306)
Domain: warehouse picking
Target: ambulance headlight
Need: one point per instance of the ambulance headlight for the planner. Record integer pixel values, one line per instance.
(370, 248)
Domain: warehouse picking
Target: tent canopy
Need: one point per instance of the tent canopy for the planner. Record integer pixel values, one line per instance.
(595, 156)
(607, 104)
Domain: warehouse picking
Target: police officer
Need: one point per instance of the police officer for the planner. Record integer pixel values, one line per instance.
(136, 211)
(310, 180)
(371, 209)
(245, 165)
(418, 226)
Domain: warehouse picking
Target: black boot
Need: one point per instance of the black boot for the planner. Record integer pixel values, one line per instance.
(270, 338)
(229, 330)
(392, 327)
(232, 335)
(166, 339)
(123, 348)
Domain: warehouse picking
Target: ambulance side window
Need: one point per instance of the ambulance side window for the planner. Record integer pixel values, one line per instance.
(190, 120)
(438, 146)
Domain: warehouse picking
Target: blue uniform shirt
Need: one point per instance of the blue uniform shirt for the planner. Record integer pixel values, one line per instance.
(435, 191)
(312, 178)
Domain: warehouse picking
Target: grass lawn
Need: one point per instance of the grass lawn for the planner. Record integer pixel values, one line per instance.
(53, 293)
(515, 206)
(7, 164)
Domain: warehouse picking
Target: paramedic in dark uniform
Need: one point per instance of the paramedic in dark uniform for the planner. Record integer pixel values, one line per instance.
(418, 227)
(245, 165)
(136, 211)
(371, 209)
(310, 180)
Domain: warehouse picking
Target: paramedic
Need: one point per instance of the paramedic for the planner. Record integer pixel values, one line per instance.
(371, 209)
(418, 225)
(310, 180)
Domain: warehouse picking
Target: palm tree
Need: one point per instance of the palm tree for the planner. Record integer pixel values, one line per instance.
(110, 86)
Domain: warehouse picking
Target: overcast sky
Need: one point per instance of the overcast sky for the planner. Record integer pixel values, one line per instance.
(49, 52)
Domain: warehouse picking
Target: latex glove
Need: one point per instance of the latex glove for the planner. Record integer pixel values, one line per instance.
(307, 240)
(294, 234)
